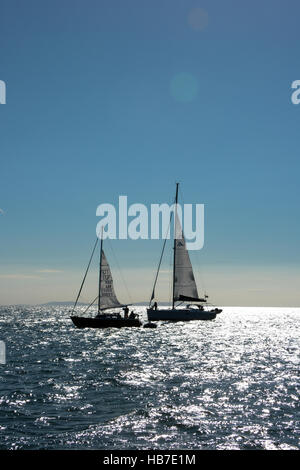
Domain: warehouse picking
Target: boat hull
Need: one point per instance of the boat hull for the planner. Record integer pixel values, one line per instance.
(85, 322)
(181, 314)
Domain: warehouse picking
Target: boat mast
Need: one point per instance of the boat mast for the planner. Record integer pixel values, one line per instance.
(174, 254)
(100, 265)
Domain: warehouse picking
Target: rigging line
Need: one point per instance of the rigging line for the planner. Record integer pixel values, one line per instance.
(100, 271)
(174, 245)
(161, 256)
(88, 266)
(160, 260)
(170, 278)
(91, 304)
(157, 272)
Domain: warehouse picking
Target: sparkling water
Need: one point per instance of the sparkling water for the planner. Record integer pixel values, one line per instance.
(230, 383)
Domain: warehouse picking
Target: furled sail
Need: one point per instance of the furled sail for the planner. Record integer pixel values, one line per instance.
(108, 298)
(184, 280)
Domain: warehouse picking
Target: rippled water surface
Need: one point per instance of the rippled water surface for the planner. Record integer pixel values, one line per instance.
(231, 383)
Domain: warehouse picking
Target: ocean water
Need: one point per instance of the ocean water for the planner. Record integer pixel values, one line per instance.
(230, 383)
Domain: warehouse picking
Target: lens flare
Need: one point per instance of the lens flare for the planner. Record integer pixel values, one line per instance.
(198, 19)
(184, 87)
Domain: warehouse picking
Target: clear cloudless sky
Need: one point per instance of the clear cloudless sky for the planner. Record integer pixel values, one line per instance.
(126, 97)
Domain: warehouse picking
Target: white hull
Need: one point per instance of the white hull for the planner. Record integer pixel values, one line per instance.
(181, 314)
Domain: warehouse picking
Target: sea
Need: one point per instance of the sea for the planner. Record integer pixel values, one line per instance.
(230, 383)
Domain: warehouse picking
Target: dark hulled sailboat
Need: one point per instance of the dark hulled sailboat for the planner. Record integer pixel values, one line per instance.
(107, 300)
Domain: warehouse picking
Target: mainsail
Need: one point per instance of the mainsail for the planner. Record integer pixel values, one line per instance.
(108, 298)
(185, 287)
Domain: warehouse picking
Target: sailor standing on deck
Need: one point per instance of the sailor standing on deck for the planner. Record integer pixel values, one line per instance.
(126, 311)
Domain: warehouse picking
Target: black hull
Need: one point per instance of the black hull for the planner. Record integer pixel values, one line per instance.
(176, 315)
(84, 322)
(150, 325)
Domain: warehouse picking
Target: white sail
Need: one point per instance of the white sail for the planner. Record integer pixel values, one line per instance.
(108, 298)
(184, 282)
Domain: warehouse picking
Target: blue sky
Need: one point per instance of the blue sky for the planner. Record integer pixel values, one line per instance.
(92, 113)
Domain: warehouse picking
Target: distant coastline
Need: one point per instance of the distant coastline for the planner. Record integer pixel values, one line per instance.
(67, 303)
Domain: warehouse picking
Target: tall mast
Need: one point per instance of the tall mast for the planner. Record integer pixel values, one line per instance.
(174, 254)
(84, 277)
(100, 265)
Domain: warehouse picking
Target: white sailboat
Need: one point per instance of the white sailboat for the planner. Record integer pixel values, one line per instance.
(184, 285)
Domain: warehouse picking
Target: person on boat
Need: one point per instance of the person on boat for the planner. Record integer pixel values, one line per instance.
(155, 306)
(132, 315)
(200, 307)
(126, 311)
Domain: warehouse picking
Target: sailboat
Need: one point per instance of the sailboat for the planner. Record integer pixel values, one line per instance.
(184, 285)
(107, 300)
